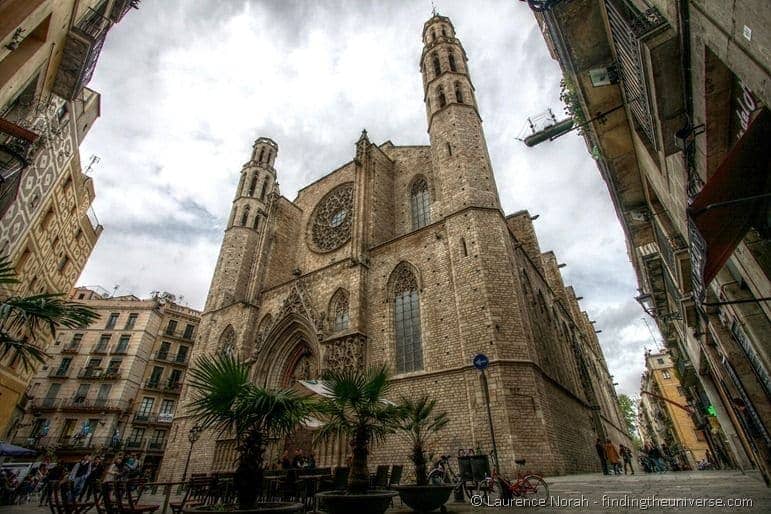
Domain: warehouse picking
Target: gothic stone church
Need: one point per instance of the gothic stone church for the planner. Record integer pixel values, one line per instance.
(403, 256)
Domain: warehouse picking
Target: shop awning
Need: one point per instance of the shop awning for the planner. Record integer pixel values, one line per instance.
(731, 200)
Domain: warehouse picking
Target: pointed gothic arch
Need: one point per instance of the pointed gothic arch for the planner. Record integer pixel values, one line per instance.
(290, 351)
(338, 312)
(227, 341)
(420, 202)
(404, 297)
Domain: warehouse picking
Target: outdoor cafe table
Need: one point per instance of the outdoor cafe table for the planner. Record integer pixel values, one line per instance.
(314, 480)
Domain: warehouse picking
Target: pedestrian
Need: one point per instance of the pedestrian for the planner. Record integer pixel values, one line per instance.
(115, 470)
(79, 474)
(626, 454)
(90, 488)
(601, 454)
(285, 462)
(299, 460)
(310, 463)
(612, 455)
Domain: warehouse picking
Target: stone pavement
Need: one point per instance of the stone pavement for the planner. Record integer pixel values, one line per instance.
(626, 493)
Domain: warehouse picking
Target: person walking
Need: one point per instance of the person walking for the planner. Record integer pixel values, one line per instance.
(612, 455)
(601, 454)
(626, 454)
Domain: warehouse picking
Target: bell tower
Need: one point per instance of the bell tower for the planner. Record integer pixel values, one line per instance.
(246, 224)
(458, 147)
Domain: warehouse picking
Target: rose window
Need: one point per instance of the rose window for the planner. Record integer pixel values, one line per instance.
(331, 220)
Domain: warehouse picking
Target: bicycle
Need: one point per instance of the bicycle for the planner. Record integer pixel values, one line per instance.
(442, 473)
(528, 484)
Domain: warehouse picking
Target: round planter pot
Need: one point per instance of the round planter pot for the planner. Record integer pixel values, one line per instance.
(340, 502)
(260, 508)
(425, 498)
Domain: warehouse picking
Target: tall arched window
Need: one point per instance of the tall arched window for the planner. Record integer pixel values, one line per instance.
(245, 216)
(409, 347)
(253, 185)
(444, 31)
(338, 311)
(451, 58)
(420, 203)
(256, 221)
(262, 151)
(442, 98)
(437, 66)
(458, 93)
(227, 341)
(264, 189)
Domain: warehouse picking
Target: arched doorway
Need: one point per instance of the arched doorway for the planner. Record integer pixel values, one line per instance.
(290, 353)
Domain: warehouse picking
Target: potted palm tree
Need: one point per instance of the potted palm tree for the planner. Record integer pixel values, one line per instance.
(421, 425)
(225, 399)
(354, 406)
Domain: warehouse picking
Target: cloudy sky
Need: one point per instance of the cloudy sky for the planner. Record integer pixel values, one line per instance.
(187, 85)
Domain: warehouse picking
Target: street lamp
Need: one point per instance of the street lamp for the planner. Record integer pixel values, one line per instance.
(646, 301)
(192, 436)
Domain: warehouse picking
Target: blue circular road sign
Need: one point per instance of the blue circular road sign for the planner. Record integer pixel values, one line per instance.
(481, 361)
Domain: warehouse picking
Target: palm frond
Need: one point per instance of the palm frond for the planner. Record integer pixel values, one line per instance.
(7, 273)
(218, 381)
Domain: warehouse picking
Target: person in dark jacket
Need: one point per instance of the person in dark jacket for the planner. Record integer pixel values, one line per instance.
(601, 454)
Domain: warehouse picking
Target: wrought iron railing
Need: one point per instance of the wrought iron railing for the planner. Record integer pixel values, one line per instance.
(121, 7)
(628, 28)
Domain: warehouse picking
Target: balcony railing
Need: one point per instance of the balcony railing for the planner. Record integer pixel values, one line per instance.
(59, 373)
(156, 446)
(94, 404)
(629, 27)
(100, 348)
(81, 51)
(16, 148)
(121, 7)
(174, 359)
(42, 404)
(99, 374)
(120, 350)
(71, 348)
(153, 418)
(134, 444)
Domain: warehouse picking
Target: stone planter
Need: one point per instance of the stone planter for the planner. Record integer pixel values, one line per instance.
(425, 498)
(260, 508)
(341, 502)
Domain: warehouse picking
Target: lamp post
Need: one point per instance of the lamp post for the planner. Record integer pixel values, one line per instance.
(192, 436)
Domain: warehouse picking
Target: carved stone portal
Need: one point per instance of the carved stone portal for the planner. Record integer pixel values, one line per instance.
(347, 352)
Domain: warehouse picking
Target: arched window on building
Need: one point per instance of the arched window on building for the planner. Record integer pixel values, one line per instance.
(451, 58)
(256, 221)
(442, 98)
(433, 34)
(264, 189)
(253, 185)
(338, 311)
(262, 151)
(437, 66)
(458, 93)
(420, 203)
(406, 304)
(227, 342)
(444, 31)
(245, 216)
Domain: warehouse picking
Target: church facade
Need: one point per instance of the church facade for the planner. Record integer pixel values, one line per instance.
(404, 257)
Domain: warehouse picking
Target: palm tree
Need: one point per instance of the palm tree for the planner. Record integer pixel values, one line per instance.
(24, 319)
(421, 425)
(355, 407)
(225, 398)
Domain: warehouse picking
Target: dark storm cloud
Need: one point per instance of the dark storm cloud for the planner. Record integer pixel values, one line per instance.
(189, 84)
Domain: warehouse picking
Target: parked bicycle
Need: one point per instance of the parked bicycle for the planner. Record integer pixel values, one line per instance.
(527, 484)
(442, 473)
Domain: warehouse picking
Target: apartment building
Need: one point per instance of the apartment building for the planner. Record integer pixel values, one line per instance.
(665, 414)
(114, 385)
(48, 51)
(673, 96)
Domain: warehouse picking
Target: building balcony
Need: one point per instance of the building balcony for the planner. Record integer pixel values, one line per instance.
(121, 7)
(135, 444)
(81, 51)
(71, 348)
(180, 360)
(100, 349)
(153, 419)
(45, 404)
(93, 405)
(16, 149)
(59, 373)
(156, 446)
(120, 350)
(100, 374)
